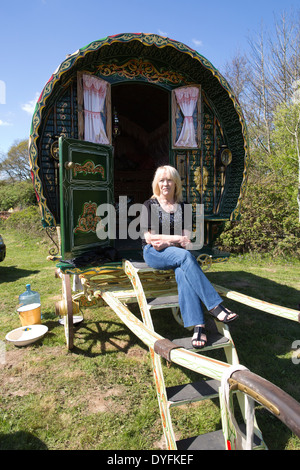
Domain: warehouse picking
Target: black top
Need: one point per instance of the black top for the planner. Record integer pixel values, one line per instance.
(156, 219)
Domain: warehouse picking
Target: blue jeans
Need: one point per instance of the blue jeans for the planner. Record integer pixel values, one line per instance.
(193, 285)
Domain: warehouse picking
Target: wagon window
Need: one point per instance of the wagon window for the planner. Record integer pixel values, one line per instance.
(186, 117)
(93, 109)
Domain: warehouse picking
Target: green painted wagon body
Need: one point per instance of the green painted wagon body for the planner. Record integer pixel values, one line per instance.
(141, 123)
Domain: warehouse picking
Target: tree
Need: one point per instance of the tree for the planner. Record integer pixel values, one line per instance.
(267, 84)
(237, 72)
(284, 58)
(286, 138)
(264, 79)
(16, 163)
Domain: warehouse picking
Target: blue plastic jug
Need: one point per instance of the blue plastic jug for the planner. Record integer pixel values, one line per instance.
(29, 297)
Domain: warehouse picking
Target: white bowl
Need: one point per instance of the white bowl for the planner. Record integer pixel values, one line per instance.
(26, 334)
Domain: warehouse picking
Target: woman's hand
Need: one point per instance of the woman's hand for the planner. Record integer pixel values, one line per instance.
(159, 242)
(185, 241)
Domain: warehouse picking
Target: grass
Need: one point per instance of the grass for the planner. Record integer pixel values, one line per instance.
(101, 395)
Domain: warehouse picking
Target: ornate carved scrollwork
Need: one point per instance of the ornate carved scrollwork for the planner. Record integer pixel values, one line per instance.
(51, 231)
(201, 180)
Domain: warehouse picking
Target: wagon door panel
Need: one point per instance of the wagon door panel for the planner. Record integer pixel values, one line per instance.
(86, 182)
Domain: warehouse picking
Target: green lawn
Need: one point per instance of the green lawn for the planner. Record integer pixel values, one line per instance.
(101, 395)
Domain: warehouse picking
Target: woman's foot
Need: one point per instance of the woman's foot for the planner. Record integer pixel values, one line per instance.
(223, 314)
(199, 338)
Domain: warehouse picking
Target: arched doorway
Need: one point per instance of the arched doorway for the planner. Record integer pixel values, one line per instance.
(142, 114)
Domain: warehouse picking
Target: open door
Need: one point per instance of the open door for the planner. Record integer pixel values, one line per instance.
(86, 183)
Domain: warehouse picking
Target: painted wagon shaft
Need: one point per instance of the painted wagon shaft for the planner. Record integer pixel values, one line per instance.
(108, 116)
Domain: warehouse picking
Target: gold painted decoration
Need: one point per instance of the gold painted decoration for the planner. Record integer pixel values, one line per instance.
(226, 157)
(141, 68)
(201, 183)
(89, 168)
(88, 220)
(54, 150)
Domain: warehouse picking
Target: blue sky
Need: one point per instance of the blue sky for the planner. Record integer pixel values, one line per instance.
(36, 36)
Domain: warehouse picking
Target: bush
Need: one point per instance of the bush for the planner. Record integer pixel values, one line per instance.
(13, 195)
(26, 221)
(269, 224)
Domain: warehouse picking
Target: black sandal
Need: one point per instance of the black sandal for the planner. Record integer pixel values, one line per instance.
(199, 330)
(220, 309)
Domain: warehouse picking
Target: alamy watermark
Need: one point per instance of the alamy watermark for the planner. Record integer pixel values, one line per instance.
(2, 92)
(126, 221)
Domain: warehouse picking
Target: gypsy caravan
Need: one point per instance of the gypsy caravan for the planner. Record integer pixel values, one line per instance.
(107, 118)
(123, 106)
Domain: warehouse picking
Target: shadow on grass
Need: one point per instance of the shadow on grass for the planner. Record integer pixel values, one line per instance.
(21, 440)
(104, 337)
(259, 287)
(13, 273)
(97, 338)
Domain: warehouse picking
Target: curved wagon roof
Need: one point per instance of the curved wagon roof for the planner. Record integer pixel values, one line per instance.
(169, 56)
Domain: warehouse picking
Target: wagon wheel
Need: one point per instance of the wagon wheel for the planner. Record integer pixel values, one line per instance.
(205, 261)
(177, 315)
(67, 293)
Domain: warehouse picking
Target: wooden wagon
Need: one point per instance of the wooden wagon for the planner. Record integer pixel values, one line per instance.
(108, 116)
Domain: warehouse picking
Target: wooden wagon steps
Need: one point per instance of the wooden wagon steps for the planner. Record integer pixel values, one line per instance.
(212, 441)
(183, 394)
(180, 395)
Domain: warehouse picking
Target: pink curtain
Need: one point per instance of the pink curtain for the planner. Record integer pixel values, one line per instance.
(94, 94)
(187, 99)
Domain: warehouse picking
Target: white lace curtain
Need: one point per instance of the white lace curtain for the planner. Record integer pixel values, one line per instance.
(187, 100)
(94, 94)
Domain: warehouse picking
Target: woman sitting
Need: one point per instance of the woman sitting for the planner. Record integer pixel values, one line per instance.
(164, 248)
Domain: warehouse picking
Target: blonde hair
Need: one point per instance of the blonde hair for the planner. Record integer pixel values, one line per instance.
(173, 175)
